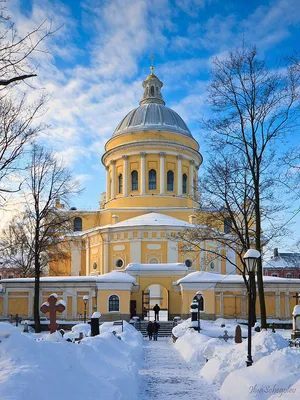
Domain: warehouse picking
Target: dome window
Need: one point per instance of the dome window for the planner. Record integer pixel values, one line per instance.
(170, 181)
(95, 266)
(134, 180)
(227, 225)
(120, 183)
(119, 263)
(152, 91)
(77, 224)
(152, 179)
(184, 183)
(188, 263)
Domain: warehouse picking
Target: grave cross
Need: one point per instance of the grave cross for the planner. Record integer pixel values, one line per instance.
(297, 297)
(52, 306)
(226, 336)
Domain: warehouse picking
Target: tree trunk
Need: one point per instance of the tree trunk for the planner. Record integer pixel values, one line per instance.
(260, 283)
(37, 271)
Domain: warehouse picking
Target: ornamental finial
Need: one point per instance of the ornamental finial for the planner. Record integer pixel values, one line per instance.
(152, 65)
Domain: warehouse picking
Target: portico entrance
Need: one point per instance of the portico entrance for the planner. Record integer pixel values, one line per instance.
(155, 286)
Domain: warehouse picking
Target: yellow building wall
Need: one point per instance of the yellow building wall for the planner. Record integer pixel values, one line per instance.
(17, 306)
(102, 301)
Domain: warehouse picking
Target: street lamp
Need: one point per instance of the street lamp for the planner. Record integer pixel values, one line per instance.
(85, 300)
(250, 258)
(198, 297)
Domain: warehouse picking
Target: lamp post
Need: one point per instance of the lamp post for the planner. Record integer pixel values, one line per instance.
(85, 300)
(198, 298)
(250, 258)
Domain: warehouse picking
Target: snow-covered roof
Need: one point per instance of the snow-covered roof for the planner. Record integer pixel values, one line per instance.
(156, 267)
(203, 276)
(283, 260)
(153, 219)
(150, 219)
(114, 276)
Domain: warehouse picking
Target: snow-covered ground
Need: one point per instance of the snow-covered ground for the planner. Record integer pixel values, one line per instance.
(52, 368)
(275, 372)
(166, 375)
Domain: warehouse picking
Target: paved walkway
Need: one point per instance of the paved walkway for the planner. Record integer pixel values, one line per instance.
(167, 376)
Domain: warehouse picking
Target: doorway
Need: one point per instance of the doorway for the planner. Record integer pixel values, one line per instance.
(152, 295)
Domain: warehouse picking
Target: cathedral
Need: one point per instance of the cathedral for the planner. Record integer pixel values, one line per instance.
(123, 257)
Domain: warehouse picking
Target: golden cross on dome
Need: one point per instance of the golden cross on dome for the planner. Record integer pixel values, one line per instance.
(152, 64)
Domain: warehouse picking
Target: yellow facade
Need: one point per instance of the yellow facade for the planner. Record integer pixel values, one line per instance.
(151, 164)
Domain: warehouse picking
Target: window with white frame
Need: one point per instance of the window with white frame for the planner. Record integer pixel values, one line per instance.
(113, 303)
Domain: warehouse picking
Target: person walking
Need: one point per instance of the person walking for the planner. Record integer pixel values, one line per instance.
(156, 310)
(150, 329)
(156, 327)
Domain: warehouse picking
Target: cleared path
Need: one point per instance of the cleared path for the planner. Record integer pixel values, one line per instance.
(165, 375)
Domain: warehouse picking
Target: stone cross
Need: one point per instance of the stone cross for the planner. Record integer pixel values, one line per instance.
(297, 297)
(52, 307)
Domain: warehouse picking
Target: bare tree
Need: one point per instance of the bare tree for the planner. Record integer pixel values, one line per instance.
(253, 107)
(47, 181)
(17, 115)
(17, 51)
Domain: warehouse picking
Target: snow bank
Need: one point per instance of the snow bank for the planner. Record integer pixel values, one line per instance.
(196, 348)
(271, 377)
(231, 358)
(102, 365)
(211, 328)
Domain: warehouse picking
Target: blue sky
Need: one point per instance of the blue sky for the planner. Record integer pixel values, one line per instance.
(100, 56)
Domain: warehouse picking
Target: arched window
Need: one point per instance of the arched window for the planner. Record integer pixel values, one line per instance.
(152, 179)
(170, 181)
(134, 180)
(153, 260)
(289, 275)
(184, 183)
(120, 183)
(77, 224)
(227, 225)
(152, 91)
(113, 303)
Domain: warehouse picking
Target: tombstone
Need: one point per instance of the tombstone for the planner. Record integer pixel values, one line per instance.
(238, 335)
(52, 306)
(296, 322)
(25, 330)
(95, 323)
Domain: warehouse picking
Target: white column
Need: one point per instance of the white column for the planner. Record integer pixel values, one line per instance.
(125, 175)
(143, 173)
(107, 184)
(113, 179)
(87, 257)
(277, 302)
(162, 173)
(192, 162)
(179, 176)
(287, 305)
(106, 257)
(221, 305)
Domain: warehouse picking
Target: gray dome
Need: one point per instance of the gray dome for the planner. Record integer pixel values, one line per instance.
(152, 116)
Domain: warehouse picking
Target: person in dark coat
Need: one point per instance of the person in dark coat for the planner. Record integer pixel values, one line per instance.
(155, 327)
(156, 310)
(150, 329)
